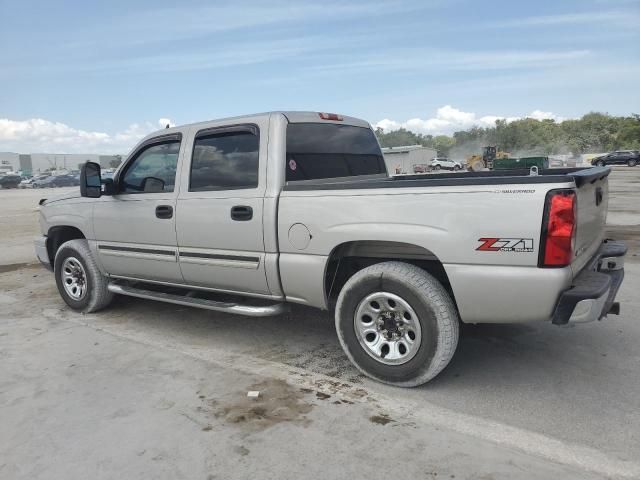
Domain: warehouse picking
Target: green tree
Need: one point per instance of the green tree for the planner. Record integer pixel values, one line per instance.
(593, 133)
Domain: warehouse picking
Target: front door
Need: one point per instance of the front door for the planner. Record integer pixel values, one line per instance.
(220, 210)
(135, 229)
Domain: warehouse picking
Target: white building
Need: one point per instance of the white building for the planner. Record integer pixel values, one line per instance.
(34, 163)
(401, 160)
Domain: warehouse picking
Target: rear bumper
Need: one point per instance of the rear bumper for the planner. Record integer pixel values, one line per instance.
(42, 253)
(593, 291)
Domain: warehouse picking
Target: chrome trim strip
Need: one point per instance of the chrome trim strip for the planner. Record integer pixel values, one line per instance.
(154, 251)
(143, 256)
(151, 252)
(213, 262)
(237, 258)
(220, 258)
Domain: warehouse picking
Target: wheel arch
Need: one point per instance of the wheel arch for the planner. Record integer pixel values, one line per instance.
(59, 234)
(350, 257)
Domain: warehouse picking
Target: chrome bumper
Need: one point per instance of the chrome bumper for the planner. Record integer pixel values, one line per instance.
(593, 292)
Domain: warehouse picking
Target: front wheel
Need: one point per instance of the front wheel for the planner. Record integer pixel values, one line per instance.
(80, 283)
(436, 167)
(600, 163)
(632, 162)
(397, 324)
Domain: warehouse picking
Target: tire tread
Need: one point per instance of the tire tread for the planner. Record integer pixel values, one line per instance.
(99, 295)
(438, 298)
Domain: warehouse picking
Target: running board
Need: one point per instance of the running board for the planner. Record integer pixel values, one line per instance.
(228, 307)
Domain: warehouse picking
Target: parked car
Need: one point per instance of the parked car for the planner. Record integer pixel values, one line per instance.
(421, 168)
(443, 163)
(28, 182)
(57, 181)
(298, 207)
(10, 181)
(620, 157)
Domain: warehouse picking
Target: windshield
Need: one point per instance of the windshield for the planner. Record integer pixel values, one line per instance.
(316, 151)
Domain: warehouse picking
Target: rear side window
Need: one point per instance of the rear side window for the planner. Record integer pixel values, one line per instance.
(316, 151)
(225, 161)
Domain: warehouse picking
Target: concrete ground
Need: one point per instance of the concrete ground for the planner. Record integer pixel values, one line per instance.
(148, 390)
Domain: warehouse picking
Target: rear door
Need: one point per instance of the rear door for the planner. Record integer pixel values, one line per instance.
(615, 158)
(135, 229)
(220, 208)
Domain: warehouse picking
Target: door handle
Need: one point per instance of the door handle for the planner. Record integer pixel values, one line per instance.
(164, 211)
(241, 213)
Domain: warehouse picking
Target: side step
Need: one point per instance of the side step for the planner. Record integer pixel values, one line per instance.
(228, 307)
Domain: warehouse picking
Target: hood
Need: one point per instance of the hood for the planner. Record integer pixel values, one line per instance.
(62, 196)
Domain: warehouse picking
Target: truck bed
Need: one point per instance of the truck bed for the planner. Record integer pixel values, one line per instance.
(497, 177)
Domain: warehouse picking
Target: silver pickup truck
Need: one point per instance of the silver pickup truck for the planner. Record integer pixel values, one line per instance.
(245, 215)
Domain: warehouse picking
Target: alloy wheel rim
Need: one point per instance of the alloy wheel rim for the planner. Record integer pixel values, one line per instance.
(387, 328)
(74, 278)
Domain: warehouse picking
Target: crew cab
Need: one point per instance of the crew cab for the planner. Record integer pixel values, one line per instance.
(249, 214)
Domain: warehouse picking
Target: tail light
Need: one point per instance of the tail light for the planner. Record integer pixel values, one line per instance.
(558, 229)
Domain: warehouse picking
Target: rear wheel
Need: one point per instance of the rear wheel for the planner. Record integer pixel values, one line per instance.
(632, 163)
(397, 324)
(436, 167)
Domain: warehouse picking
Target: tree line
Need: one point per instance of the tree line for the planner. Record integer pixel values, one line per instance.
(593, 133)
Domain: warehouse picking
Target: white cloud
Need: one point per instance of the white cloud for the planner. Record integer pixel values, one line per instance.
(540, 115)
(40, 135)
(163, 122)
(611, 17)
(449, 119)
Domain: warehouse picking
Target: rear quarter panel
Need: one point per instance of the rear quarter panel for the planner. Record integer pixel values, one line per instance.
(447, 221)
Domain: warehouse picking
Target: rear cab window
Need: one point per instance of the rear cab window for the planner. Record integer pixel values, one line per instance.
(317, 151)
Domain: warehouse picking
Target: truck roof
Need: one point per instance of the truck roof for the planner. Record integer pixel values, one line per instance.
(292, 117)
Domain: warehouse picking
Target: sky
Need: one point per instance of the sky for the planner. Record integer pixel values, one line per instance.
(94, 77)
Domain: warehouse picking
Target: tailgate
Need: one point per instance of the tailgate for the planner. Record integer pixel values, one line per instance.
(592, 202)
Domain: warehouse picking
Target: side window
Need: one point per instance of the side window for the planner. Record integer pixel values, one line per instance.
(225, 161)
(153, 170)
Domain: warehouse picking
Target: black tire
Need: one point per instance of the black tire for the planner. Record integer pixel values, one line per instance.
(96, 296)
(433, 306)
(632, 163)
(456, 168)
(436, 167)
(600, 163)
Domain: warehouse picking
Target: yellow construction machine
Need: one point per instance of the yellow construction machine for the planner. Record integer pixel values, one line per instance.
(476, 163)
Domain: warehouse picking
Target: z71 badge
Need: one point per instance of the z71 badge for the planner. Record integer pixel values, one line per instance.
(506, 245)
